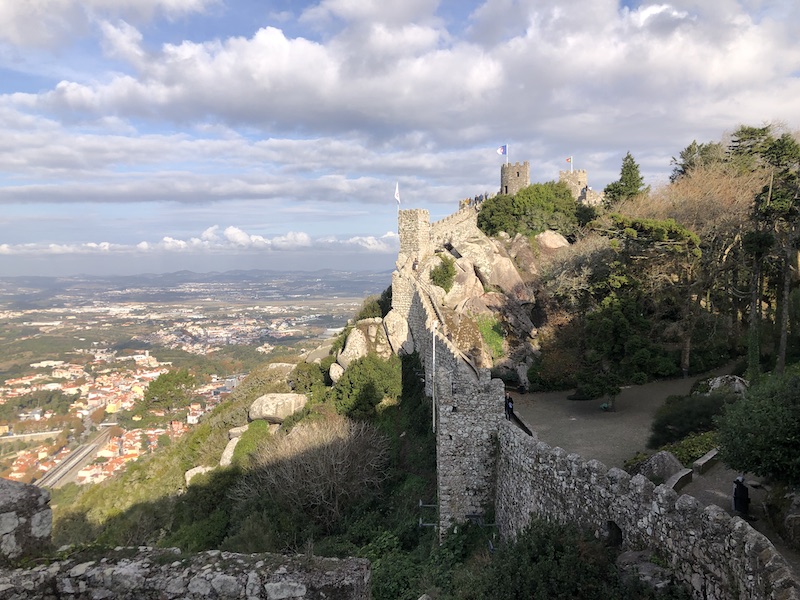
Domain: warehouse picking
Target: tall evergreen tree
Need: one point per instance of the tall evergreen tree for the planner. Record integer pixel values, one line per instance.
(630, 183)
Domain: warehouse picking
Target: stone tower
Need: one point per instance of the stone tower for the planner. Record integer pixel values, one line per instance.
(514, 177)
(578, 183)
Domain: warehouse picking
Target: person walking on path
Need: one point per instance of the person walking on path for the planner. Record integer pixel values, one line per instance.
(509, 406)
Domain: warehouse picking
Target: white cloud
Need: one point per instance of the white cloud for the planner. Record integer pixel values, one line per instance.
(49, 23)
(304, 124)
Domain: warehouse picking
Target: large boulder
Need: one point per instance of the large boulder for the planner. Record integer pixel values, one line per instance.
(398, 333)
(354, 348)
(192, 473)
(661, 466)
(275, 407)
(227, 455)
(335, 372)
(480, 250)
(504, 275)
(551, 240)
(721, 384)
(26, 520)
(466, 284)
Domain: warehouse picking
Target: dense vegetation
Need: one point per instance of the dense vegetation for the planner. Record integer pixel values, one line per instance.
(680, 279)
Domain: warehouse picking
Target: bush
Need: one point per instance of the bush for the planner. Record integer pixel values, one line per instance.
(692, 447)
(319, 470)
(681, 415)
(365, 383)
(555, 561)
(760, 433)
(444, 273)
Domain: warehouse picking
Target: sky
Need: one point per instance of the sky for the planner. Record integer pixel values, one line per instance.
(159, 135)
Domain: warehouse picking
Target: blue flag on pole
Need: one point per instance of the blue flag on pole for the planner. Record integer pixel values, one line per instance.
(503, 150)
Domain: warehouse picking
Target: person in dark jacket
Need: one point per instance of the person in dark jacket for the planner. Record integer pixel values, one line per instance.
(509, 406)
(741, 497)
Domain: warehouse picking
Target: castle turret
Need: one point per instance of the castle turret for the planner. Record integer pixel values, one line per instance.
(514, 177)
(578, 183)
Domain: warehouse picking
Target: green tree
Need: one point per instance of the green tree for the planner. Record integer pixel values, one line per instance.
(760, 433)
(170, 391)
(533, 209)
(629, 184)
(694, 156)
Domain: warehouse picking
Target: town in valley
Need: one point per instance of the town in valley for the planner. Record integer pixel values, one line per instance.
(78, 354)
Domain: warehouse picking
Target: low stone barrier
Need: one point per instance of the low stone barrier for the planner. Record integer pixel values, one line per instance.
(166, 574)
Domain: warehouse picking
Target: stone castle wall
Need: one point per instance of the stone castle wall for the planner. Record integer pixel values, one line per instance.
(482, 458)
(716, 555)
(25, 520)
(415, 237)
(468, 406)
(461, 225)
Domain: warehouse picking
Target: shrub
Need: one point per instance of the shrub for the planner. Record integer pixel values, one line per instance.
(319, 470)
(759, 434)
(444, 273)
(551, 560)
(365, 383)
(681, 415)
(692, 447)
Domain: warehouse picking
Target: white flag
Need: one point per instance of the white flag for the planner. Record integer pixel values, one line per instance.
(397, 192)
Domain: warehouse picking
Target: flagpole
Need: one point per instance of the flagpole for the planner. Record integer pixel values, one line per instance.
(506, 154)
(571, 163)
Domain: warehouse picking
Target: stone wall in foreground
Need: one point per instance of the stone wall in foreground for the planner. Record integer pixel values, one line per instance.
(166, 574)
(716, 555)
(25, 520)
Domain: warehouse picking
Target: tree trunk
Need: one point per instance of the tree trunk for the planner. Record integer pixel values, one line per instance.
(753, 348)
(780, 362)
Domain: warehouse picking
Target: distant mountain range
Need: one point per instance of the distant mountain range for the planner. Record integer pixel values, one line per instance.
(241, 285)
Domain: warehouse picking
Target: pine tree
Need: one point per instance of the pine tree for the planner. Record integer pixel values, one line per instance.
(630, 182)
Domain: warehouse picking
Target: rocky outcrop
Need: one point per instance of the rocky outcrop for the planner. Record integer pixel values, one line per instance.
(226, 460)
(25, 520)
(398, 333)
(354, 348)
(466, 284)
(236, 432)
(276, 407)
(551, 240)
(166, 574)
(335, 372)
(192, 473)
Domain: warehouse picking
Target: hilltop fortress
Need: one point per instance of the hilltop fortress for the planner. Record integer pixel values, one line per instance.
(515, 176)
(487, 464)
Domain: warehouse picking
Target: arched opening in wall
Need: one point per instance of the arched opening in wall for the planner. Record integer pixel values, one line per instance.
(613, 535)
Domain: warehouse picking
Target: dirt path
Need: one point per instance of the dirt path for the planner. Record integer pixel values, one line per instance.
(582, 427)
(613, 437)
